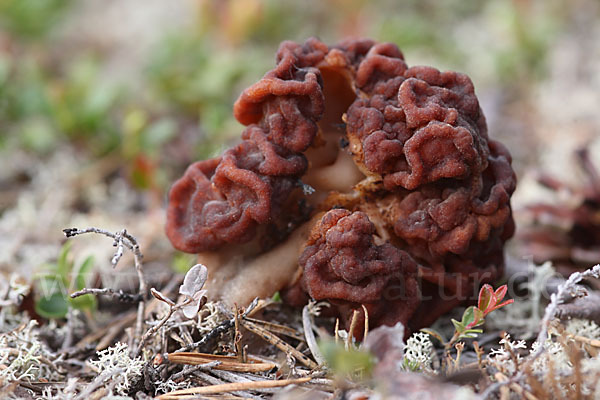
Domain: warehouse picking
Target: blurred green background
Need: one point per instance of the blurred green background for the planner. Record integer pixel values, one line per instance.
(61, 79)
(131, 92)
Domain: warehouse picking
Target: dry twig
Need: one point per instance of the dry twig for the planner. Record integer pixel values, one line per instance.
(119, 295)
(189, 369)
(231, 387)
(123, 239)
(229, 363)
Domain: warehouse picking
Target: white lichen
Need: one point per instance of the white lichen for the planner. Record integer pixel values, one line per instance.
(554, 353)
(116, 362)
(169, 385)
(25, 356)
(505, 357)
(68, 392)
(12, 292)
(209, 318)
(418, 352)
(591, 367)
(583, 327)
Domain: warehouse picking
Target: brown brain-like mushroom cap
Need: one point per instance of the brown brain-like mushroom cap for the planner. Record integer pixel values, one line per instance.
(223, 200)
(342, 264)
(405, 152)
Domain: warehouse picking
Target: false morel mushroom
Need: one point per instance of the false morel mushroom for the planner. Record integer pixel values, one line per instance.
(358, 180)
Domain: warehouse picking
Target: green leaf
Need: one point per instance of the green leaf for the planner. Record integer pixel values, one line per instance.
(53, 306)
(276, 297)
(472, 316)
(468, 316)
(85, 302)
(458, 326)
(411, 365)
(78, 282)
(32, 19)
(470, 333)
(49, 284)
(83, 272)
(37, 134)
(158, 134)
(63, 265)
(505, 303)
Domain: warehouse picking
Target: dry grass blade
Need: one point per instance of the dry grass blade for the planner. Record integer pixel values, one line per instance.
(586, 340)
(277, 328)
(514, 387)
(230, 387)
(227, 363)
(309, 334)
(366, 331)
(280, 344)
(351, 330)
(537, 387)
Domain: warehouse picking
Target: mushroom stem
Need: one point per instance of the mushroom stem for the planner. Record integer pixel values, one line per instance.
(236, 280)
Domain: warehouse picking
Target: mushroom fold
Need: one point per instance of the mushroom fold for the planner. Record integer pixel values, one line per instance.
(389, 167)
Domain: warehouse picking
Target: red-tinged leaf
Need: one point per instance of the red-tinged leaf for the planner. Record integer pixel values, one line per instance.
(477, 318)
(507, 302)
(486, 294)
(501, 292)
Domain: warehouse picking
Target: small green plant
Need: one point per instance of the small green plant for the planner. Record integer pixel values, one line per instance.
(181, 262)
(347, 362)
(473, 317)
(59, 279)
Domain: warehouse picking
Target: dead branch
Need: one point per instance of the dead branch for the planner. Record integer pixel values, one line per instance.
(119, 295)
(232, 387)
(123, 239)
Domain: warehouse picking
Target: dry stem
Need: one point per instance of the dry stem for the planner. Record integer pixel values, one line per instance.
(123, 239)
(231, 387)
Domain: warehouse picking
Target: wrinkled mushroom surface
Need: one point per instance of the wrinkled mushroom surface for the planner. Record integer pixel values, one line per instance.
(390, 169)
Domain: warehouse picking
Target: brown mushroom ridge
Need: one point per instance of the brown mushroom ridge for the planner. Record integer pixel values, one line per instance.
(405, 152)
(342, 264)
(223, 200)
